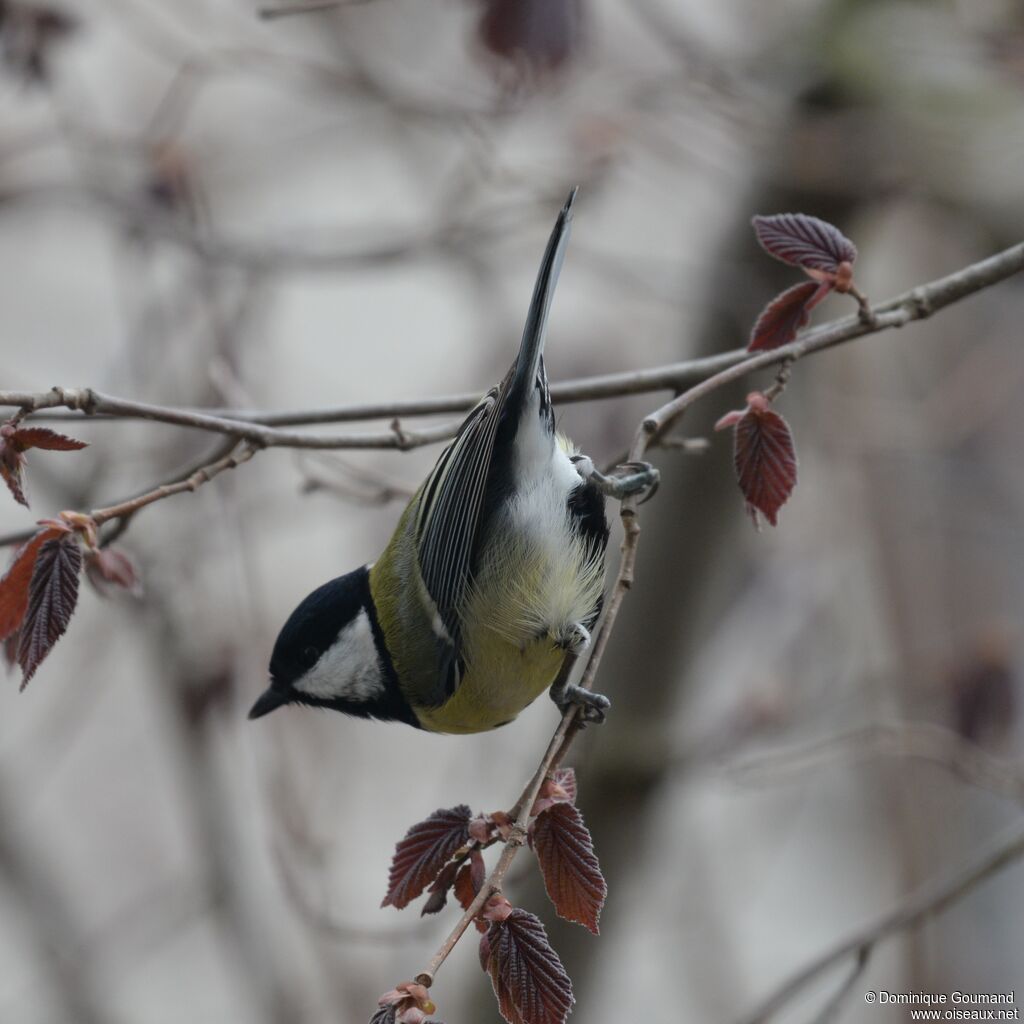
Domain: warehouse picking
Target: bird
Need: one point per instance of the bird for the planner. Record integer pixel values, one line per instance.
(492, 582)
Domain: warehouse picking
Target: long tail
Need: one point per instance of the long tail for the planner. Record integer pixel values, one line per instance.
(531, 349)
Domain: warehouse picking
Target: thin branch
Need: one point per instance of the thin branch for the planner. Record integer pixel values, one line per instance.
(917, 304)
(271, 13)
(831, 1010)
(709, 372)
(922, 741)
(222, 448)
(89, 401)
(191, 483)
(928, 900)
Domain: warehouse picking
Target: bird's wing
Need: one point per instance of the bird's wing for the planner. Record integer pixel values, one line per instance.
(447, 520)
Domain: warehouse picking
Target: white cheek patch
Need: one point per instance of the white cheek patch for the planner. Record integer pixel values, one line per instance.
(349, 668)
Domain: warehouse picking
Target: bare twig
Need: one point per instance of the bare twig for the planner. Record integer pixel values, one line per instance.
(831, 1010)
(275, 11)
(191, 483)
(51, 926)
(922, 741)
(928, 900)
(89, 401)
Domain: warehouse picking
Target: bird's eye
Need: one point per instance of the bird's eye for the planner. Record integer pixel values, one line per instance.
(310, 655)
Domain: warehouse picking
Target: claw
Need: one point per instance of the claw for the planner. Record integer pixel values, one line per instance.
(640, 478)
(594, 705)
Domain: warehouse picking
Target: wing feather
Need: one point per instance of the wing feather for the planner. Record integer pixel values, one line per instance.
(449, 511)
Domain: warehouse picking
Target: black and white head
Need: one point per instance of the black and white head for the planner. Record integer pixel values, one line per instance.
(330, 654)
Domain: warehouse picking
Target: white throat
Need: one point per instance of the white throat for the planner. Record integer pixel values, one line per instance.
(349, 668)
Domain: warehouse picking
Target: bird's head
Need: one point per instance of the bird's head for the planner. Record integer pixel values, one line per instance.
(330, 654)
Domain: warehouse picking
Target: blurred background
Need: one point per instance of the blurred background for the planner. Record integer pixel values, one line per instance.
(203, 208)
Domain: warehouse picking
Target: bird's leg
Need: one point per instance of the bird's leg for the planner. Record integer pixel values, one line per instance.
(638, 478)
(575, 639)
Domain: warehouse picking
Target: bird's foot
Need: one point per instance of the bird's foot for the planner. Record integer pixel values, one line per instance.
(594, 706)
(635, 478)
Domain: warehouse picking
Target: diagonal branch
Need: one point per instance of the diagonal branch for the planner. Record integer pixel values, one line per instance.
(930, 899)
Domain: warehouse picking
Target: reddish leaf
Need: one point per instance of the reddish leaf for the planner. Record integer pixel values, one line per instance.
(52, 596)
(112, 565)
(425, 850)
(785, 315)
(558, 788)
(804, 241)
(528, 978)
(408, 1003)
(572, 875)
(12, 465)
(28, 43)
(438, 891)
(730, 419)
(470, 879)
(464, 891)
(566, 779)
(468, 882)
(15, 440)
(49, 440)
(15, 584)
(764, 457)
(538, 34)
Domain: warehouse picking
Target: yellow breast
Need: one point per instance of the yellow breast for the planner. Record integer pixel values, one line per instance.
(499, 682)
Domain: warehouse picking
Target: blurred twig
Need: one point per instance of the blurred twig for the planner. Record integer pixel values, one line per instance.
(928, 900)
(50, 925)
(918, 740)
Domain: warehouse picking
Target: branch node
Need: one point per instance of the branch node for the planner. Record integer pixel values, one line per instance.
(516, 837)
(402, 440)
(919, 304)
(781, 379)
(425, 978)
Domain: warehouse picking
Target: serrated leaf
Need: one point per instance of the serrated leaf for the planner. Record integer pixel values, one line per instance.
(12, 465)
(52, 596)
(785, 315)
(764, 458)
(463, 888)
(420, 857)
(804, 241)
(384, 1015)
(468, 883)
(15, 440)
(528, 978)
(572, 874)
(25, 438)
(470, 880)
(14, 586)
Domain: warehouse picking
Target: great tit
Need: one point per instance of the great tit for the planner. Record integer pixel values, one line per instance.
(493, 576)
